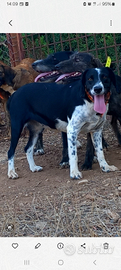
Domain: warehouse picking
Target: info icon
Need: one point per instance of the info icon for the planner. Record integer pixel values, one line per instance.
(60, 245)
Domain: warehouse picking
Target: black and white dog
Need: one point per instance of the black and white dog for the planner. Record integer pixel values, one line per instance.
(74, 107)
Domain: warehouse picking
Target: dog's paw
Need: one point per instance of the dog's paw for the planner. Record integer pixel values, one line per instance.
(36, 168)
(64, 162)
(86, 166)
(12, 174)
(76, 175)
(95, 159)
(108, 168)
(38, 152)
(64, 165)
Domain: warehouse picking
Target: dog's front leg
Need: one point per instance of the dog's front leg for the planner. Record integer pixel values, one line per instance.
(72, 133)
(97, 142)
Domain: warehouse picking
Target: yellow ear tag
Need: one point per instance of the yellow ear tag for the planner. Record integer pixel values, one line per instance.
(108, 62)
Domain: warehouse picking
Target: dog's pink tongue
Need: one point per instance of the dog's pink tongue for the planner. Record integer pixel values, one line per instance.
(41, 75)
(99, 104)
(62, 76)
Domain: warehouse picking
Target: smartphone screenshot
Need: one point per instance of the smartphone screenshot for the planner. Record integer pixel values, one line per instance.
(60, 135)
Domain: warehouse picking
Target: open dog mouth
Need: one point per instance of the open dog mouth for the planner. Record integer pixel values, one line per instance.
(46, 75)
(100, 102)
(68, 75)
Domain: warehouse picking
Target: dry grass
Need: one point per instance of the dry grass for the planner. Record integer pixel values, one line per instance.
(73, 215)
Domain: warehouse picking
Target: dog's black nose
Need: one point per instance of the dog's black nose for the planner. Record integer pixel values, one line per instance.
(97, 90)
(33, 64)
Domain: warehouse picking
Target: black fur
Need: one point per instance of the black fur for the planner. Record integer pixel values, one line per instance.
(43, 103)
(6, 75)
(47, 103)
(78, 62)
(48, 64)
(65, 61)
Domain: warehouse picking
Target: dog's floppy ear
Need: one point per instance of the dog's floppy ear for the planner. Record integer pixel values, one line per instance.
(113, 78)
(9, 74)
(22, 77)
(84, 77)
(96, 63)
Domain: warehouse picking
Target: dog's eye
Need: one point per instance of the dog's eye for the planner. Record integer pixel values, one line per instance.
(90, 79)
(77, 59)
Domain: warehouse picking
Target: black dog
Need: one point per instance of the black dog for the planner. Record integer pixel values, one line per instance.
(6, 75)
(78, 62)
(78, 106)
(46, 67)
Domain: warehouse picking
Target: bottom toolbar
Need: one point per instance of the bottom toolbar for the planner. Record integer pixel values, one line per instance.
(60, 253)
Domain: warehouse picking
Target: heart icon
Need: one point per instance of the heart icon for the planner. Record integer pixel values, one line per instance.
(15, 245)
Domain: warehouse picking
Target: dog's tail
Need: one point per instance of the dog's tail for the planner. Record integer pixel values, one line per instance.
(4, 95)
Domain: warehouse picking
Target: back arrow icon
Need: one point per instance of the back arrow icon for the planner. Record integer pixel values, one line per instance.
(10, 23)
(94, 262)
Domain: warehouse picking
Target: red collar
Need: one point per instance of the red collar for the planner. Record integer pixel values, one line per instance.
(89, 96)
(1, 97)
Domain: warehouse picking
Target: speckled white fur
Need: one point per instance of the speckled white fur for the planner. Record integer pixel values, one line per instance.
(97, 142)
(85, 119)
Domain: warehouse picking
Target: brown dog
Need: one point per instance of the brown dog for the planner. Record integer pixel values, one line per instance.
(19, 75)
(13, 78)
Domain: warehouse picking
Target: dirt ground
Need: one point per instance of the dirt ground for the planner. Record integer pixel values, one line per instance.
(49, 203)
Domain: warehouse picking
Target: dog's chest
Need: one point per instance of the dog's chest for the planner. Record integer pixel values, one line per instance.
(86, 119)
(92, 124)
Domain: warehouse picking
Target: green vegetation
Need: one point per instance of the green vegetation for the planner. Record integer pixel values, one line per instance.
(40, 45)
(4, 53)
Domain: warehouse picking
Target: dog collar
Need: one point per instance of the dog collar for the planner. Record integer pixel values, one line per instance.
(107, 97)
(1, 97)
(89, 96)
